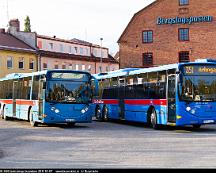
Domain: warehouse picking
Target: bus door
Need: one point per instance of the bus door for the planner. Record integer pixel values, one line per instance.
(121, 96)
(15, 95)
(41, 97)
(171, 98)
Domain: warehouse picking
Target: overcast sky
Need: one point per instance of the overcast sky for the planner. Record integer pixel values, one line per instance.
(87, 20)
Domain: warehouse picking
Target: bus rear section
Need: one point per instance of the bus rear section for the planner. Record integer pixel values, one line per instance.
(51, 97)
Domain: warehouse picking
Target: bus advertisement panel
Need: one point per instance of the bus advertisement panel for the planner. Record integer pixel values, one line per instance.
(177, 95)
(50, 97)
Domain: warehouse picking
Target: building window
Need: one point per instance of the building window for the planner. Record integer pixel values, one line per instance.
(83, 67)
(184, 56)
(70, 66)
(9, 62)
(63, 66)
(89, 68)
(184, 34)
(21, 63)
(77, 66)
(147, 59)
(147, 36)
(61, 48)
(183, 2)
(50, 46)
(56, 66)
(81, 51)
(100, 69)
(31, 64)
(44, 66)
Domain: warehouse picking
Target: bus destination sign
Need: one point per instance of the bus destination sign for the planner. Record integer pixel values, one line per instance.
(199, 70)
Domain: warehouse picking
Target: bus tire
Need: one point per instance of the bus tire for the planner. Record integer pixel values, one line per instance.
(31, 119)
(105, 114)
(98, 114)
(153, 120)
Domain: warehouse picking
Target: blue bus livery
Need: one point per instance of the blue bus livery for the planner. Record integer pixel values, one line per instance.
(176, 94)
(49, 97)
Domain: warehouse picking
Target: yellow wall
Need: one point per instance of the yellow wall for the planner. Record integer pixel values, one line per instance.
(16, 56)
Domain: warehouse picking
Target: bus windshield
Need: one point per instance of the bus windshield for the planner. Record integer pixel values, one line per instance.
(68, 92)
(198, 88)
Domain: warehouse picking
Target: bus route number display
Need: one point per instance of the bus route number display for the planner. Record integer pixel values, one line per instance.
(200, 70)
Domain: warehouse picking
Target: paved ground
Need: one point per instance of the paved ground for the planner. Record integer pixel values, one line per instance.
(105, 145)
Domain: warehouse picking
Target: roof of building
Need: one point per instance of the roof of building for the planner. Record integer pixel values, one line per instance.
(73, 41)
(9, 42)
(135, 15)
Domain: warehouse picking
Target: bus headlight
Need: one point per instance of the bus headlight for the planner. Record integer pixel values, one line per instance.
(188, 109)
(84, 110)
(57, 111)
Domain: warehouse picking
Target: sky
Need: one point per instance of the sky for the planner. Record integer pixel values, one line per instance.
(87, 20)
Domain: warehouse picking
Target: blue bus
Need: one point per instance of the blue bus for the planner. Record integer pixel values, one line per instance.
(49, 97)
(176, 94)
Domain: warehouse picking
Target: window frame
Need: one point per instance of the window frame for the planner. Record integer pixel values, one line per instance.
(183, 36)
(183, 2)
(181, 52)
(148, 64)
(143, 37)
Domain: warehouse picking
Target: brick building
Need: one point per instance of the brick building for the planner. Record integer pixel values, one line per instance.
(169, 31)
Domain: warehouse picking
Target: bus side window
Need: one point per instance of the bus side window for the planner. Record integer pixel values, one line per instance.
(35, 89)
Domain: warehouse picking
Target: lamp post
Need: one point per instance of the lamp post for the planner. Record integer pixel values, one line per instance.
(101, 39)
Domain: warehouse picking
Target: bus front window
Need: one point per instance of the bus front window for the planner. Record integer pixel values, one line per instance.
(198, 88)
(68, 92)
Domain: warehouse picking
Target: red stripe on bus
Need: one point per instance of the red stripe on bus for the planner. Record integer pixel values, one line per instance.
(146, 102)
(26, 102)
(7, 101)
(111, 102)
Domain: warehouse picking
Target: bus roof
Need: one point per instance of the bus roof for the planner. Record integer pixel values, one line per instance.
(133, 71)
(22, 75)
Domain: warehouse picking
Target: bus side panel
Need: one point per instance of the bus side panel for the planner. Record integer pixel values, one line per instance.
(136, 113)
(161, 114)
(8, 110)
(113, 111)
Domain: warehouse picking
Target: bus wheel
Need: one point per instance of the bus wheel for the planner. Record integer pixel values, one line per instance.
(196, 126)
(31, 119)
(98, 114)
(153, 119)
(105, 113)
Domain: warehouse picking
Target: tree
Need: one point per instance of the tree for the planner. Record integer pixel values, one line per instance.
(27, 24)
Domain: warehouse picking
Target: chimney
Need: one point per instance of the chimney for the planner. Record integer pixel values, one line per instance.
(15, 23)
(2, 30)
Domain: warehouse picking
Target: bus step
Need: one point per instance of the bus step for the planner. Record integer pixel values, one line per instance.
(171, 124)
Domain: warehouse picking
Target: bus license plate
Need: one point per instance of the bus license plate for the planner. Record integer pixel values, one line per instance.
(70, 120)
(208, 121)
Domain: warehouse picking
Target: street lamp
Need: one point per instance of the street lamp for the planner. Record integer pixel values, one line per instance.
(101, 39)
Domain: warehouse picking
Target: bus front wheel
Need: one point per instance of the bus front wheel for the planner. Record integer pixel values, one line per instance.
(98, 114)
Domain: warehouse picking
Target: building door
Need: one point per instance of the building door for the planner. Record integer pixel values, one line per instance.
(171, 98)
